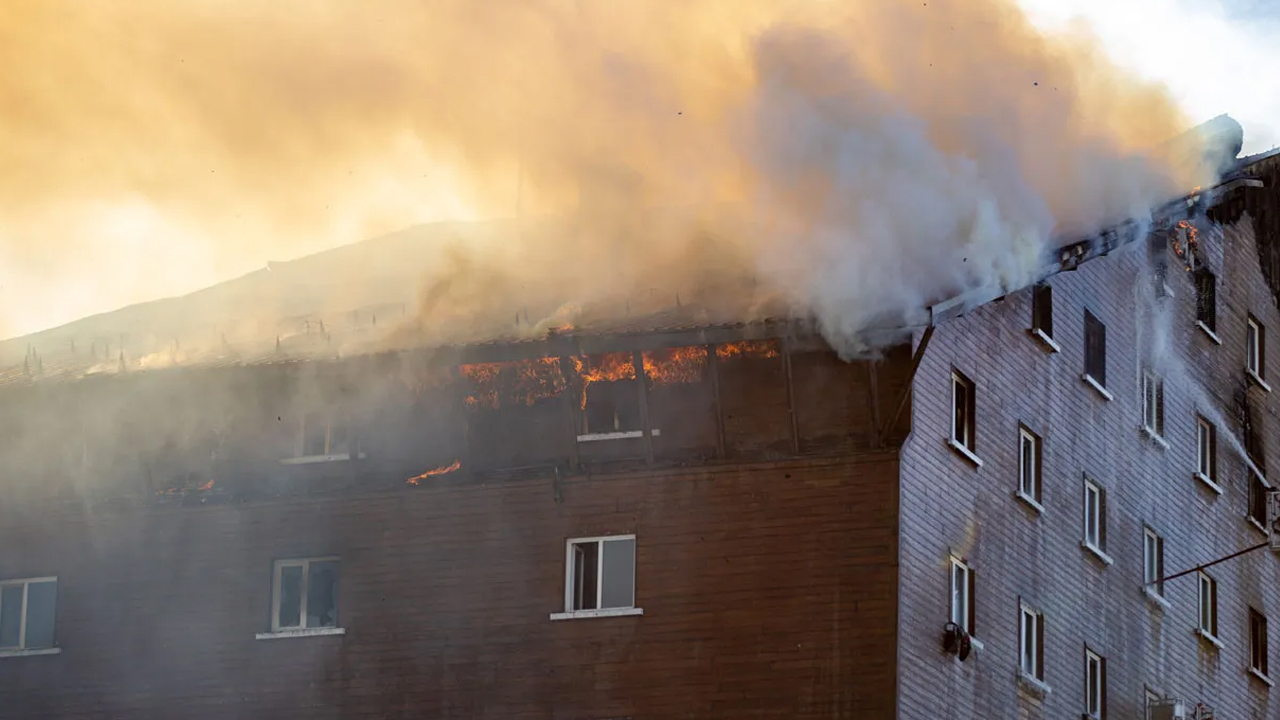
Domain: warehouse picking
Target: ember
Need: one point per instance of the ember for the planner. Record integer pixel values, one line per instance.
(525, 381)
(603, 368)
(442, 470)
(748, 348)
(675, 365)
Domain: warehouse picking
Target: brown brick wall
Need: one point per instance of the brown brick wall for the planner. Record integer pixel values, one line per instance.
(768, 591)
(949, 506)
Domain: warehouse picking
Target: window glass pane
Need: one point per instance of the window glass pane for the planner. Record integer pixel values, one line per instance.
(10, 615)
(290, 596)
(1091, 515)
(41, 602)
(619, 574)
(957, 594)
(322, 594)
(1028, 642)
(585, 561)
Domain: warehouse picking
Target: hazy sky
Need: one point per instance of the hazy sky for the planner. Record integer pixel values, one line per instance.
(117, 182)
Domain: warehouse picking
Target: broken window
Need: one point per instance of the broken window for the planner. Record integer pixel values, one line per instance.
(1042, 310)
(601, 573)
(27, 610)
(610, 394)
(1159, 253)
(1206, 299)
(1095, 348)
(305, 594)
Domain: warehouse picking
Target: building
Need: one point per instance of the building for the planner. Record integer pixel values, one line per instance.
(671, 518)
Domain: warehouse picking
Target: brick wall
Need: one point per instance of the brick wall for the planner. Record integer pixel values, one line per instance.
(949, 506)
(768, 591)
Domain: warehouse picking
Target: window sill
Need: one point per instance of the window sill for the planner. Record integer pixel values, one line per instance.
(1030, 683)
(1097, 552)
(1097, 386)
(1155, 438)
(314, 459)
(965, 453)
(1209, 482)
(1268, 681)
(1209, 638)
(1045, 341)
(1212, 335)
(621, 435)
(33, 652)
(609, 612)
(1257, 379)
(1257, 526)
(1032, 502)
(305, 632)
(1153, 596)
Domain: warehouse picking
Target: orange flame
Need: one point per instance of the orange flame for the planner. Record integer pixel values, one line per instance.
(442, 470)
(1186, 237)
(675, 365)
(748, 348)
(609, 367)
(523, 381)
(208, 485)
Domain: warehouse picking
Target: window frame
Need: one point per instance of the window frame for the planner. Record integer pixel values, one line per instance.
(1259, 488)
(1203, 581)
(21, 648)
(1207, 451)
(1259, 651)
(277, 571)
(1095, 685)
(970, 425)
(1099, 542)
(332, 419)
(570, 576)
(1152, 562)
(1033, 655)
(1153, 403)
(966, 616)
(1256, 350)
(1034, 473)
(1206, 302)
(1095, 349)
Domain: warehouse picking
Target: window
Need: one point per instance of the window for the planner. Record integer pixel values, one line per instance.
(1255, 348)
(1153, 562)
(611, 404)
(305, 594)
(1258, 491)
(962, 596)
(1095, 685)
(320, 437)
(1153, 403)
(1095, 349)
(1206, 449)
(601, 574)
(1031, 634)
(1095, 516)
(1258, 642)
(1150, 700)
(1029, 465)
(1206, 299)
(962, 411)
(1042, 310)
(27, 609)
(1208, 604)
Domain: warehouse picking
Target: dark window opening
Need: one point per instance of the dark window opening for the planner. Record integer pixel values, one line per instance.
(1042, 310)
(1095, 348)
(1206, 299)
(1258, 654)
(1258, 490)
(610, 394)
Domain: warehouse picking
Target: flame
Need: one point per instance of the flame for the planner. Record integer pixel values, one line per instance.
(208, 485)
(442, 470)
(1185, 239)
(523, 381)
(748, 348)
(609, 367)
(675, 365)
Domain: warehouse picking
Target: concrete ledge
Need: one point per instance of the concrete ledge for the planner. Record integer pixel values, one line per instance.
(608, 612)
(32, 652)
(300, 633)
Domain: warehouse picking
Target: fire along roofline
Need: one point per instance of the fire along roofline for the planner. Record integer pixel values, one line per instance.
(1070, 256)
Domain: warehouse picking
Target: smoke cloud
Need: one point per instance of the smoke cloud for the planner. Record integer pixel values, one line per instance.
(849, 161)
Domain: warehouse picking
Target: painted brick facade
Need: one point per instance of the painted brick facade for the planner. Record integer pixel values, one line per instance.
(951, 506)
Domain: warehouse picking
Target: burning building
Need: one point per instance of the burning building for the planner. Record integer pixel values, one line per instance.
(667, 514)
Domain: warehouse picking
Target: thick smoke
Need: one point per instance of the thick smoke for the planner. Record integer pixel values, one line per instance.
(846, 160)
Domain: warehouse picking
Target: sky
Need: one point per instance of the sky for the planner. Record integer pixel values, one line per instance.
(63, 257)
(1215, 56)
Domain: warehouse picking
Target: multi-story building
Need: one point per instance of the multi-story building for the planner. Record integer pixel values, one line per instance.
(667, 517)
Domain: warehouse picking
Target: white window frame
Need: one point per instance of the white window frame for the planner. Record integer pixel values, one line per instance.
(1152, 403)
(1207, 609)
(1029, 476)
(21, 648)
(1254, 337)
(277, 569)
(1095, 536)
(962, 598)
(1152, 562)
(330, 420)
(1207, 452)
(569, 611)
(1094, 679)
(964, 436)
(1029, 650)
